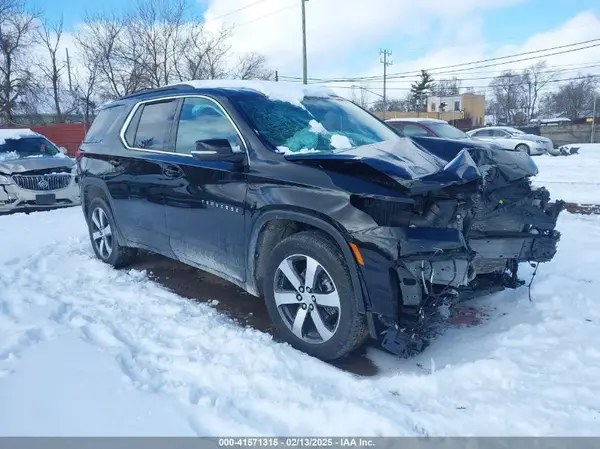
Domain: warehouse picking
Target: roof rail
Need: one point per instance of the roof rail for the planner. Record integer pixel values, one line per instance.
(175, 87)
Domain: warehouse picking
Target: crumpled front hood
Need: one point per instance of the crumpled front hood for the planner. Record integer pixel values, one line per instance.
(426, 163)
(21, 165)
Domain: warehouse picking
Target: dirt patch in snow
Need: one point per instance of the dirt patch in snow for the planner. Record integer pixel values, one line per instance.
(228, 299)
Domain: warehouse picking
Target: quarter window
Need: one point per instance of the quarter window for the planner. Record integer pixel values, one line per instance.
(203, 119)
(154, 125)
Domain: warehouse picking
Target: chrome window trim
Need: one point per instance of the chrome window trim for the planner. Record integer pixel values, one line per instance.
(176, 97)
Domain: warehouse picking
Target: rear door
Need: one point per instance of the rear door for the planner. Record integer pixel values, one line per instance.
(206, 201)
(484, 134)
(137, 176)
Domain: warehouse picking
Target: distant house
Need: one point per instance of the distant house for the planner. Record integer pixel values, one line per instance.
(470, 106)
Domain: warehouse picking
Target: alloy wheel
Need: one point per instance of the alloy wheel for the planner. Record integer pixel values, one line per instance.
(102, 237)
(307, 299)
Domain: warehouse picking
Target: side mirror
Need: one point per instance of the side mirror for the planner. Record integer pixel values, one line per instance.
(217, 150)
(63, 150)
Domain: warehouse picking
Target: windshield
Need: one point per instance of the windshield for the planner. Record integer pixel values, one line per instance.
(447, 131)
(26, 147)
(324, 124)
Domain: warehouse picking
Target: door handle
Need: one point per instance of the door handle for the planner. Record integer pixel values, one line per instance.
(114, 162)
(172, 171)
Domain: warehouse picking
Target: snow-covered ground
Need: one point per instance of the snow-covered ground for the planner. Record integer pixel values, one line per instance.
(572, 178)
(88, 350)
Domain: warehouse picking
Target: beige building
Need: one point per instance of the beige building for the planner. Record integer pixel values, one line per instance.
(458, 107)
(470, 106)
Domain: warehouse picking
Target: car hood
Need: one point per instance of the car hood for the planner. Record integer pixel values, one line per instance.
(32, 163)
(423, 164)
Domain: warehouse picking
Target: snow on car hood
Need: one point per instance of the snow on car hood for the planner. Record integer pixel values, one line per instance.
(531, 137)
(24, 164)
(425, 163)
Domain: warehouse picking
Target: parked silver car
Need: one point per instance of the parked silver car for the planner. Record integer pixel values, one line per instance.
(34, 173)
(512, 138)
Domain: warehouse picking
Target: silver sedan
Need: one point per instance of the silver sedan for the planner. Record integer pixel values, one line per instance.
(512, 138)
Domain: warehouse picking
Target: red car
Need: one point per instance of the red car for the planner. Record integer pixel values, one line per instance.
(426, 127)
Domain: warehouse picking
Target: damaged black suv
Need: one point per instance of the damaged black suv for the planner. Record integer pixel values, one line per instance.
(301, 197)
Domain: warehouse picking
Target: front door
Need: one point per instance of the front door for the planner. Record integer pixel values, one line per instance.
(205, 204)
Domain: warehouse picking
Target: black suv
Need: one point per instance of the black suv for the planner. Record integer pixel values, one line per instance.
(301, 197)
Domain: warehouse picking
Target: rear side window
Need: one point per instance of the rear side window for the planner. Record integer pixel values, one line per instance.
(102, 123)
(410, 129)
(154, 126)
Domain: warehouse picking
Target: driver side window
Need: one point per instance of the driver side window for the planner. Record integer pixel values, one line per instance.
(203, 119)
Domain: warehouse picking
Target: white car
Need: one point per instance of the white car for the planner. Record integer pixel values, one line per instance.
(34, 173)
(512, 138)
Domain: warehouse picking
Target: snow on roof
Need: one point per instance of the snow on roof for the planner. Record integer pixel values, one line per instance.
(415, 119)
(284, 91)
(15, 134)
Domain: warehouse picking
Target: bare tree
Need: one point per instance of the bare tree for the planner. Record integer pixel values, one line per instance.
(203, 55)
(576, 97)
(50, 35)
(252, 66)
(509, 95)
(535, 78)
(158, 25)
(17, 31)
(117, 54)
(447, 87)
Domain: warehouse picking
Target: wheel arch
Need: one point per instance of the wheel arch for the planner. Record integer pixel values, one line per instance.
(96, 188)
(299, 220)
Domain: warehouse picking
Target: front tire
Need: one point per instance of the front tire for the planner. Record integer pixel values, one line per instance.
(104, 238)
(524, 148)
(310, 297)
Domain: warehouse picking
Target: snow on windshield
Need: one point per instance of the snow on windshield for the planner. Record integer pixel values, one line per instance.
(15, 134)
(320, 124)
(26, 145)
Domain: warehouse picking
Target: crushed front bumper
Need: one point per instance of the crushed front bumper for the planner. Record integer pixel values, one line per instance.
(14, 198)
(409, 270)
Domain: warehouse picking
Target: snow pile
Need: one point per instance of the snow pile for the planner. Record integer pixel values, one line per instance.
(316, 127)
(289, 92)
(15, 134)
(164, 365)
(571, 178)
(340, 142)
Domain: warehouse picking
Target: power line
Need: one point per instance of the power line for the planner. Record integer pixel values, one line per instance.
(272, 13)
(234, 11)
(416, 73)
(578, 67)
(469, 87)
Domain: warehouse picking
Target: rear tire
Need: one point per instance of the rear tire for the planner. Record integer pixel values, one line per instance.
(318, 317)
(524, 148)
(104, 236)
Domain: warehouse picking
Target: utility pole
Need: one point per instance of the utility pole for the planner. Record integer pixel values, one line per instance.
(304, 59)
(594, 119)
(386, 62)
(69, 70)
